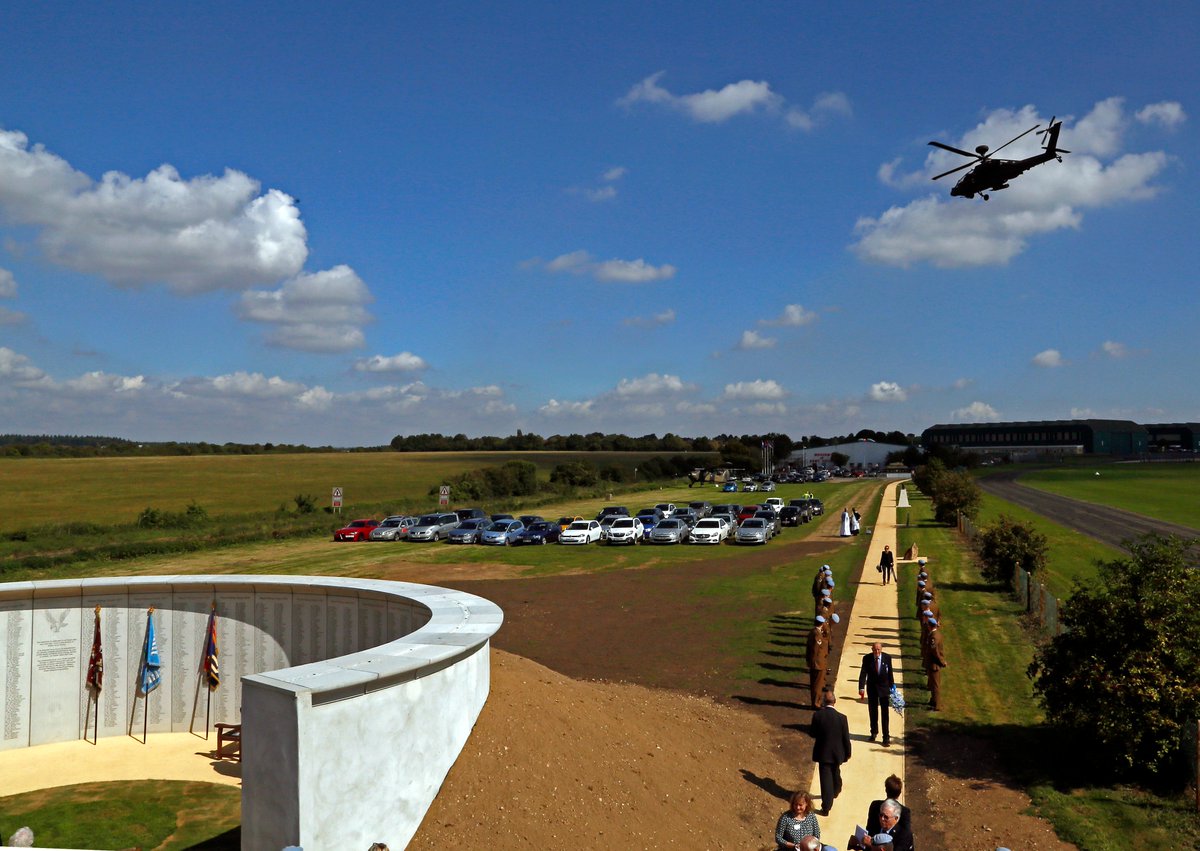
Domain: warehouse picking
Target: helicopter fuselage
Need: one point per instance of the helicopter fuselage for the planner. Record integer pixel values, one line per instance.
(993, 175)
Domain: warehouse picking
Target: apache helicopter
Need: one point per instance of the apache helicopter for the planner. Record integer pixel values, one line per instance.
(991, 175)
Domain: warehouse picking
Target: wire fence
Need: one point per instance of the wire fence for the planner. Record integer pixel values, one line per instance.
(1034, 595)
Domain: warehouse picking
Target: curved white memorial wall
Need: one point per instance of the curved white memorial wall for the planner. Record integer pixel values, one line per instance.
(355, 695)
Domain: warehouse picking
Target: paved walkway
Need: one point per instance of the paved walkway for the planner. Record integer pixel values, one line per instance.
(874, 617)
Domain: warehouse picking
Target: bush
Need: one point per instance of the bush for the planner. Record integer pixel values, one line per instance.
(305, 503)
(574, 474)
(1122, 678)
(1006, 545)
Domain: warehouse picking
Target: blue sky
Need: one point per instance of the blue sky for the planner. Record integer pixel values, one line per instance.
(334, 223)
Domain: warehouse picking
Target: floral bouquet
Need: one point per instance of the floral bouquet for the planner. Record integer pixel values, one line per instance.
(897, 701)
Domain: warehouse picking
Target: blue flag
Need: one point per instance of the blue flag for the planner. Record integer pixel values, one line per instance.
(151, 675)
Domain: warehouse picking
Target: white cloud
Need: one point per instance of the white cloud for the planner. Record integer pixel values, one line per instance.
(614, 173)
(1168, 113)
(954, 232)
(664, 318)
(793, 315)
(757, 389)
(695, 408)
(1115, 350)
(714, 106)
(962, 383)
(604, 193)
(622, 271)
(754, 340)
(976, 412)
(887, 391)
(16, 368)
(317, 398)
(403, 362)
(196, 235)
(317, 312)
(555, 408)
(1049, 359)
(1082, 413)
(651, 384)
(103, 382)
(8, 284)
(241, 384)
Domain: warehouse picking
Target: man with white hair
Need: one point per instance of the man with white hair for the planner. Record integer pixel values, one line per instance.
(23, 838)
(889, 826)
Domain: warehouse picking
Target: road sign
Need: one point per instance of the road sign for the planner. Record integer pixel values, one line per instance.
(337, 498)
(444, 496)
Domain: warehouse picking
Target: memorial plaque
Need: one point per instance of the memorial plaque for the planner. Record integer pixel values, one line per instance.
(235, 636)
(189, 621)
(16, 641)
(343, 625)
(372, 623)
(403, 619)
(57, 624)
(153, 711)
(308, 628)
(108, 714)
(273, 638)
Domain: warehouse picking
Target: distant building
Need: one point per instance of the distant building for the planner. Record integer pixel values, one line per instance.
(1174, 437)
(862, 454)
(1042, 437)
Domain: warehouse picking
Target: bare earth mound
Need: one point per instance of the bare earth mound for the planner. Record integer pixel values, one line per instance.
(561, 763)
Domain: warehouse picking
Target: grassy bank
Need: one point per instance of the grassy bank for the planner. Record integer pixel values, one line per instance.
(1166, 491)
(988, 695)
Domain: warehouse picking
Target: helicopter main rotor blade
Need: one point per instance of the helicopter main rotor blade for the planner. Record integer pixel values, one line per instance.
(954, 150)
(951, 171)
(1013, 139)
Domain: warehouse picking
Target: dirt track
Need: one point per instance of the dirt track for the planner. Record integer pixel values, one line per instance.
(1110, 526)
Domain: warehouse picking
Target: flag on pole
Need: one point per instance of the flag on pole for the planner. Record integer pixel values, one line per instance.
(95, 671)
(212, 673)
(151, 673)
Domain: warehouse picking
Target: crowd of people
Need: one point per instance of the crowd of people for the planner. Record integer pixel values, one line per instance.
(888, 822)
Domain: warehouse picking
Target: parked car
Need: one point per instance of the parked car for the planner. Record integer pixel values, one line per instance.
(774, 503)
(767, 487)
(816, 506)
(667, 509)
(502, 533)
(710, 530)
(612, 511)
(580, 532)
(356, 530)
(670, 531)
(791, 515)
(433, 527)
(729, 508)
(394, 528)
(702, 508)
(469, 531)
(730, 520)
(497, 517)
(747, 512)
(687, 515)
(564, 522)
(749, 487)
(753, 531)
(470, 514)
(625, 530)
(530, 519)
(539, 533)
(650, 518)
(772, 518)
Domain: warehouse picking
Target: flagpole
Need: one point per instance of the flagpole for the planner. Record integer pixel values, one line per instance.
(96, 701)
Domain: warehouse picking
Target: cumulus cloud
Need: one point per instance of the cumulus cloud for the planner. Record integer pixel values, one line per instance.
(8, 284)
(887, 391)
(18, 369)
(1049, 359)
(651, 384)
(758, 389)
(603, 193)
(793, 315)
(403, 362)
(621, 271)
(664, 318)
(241, 384)
(1115, 350)
(976, 412)
(754, 340)
(1168, 113)
(954, 232)
(317, 312)
(962, 383)
(555, 408)
(614, 173)
(195, 235)
(714, 106)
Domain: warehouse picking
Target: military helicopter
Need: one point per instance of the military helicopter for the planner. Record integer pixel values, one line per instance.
(990, 175)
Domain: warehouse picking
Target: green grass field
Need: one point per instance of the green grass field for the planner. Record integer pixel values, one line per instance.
(1166, 491)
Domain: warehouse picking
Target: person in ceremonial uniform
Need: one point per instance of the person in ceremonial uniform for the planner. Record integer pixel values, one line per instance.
(818, 658)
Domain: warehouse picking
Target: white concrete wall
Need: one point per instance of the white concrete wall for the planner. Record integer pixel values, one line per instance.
(347, 748)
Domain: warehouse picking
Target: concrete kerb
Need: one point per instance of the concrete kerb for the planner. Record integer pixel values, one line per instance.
(874, 617)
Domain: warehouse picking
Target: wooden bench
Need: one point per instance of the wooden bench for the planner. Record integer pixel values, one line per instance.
(229, 741)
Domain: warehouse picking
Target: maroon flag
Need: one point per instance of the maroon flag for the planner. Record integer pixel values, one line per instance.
(95, 672)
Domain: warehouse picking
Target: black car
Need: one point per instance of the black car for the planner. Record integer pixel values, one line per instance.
(612, 511)
(792, 515)
(470, 514)
(539, 533)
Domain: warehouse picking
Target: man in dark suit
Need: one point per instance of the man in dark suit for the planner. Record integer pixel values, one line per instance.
(831, 747)
(893, 786)
(875, 681)
(889, 824)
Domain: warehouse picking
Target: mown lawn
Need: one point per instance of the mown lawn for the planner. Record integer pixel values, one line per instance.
(988, 695)
(1166, 491)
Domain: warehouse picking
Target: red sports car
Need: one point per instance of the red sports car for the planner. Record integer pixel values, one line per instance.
(356, 530)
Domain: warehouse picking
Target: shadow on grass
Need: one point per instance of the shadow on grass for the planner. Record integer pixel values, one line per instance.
(978, 587)
(770, 681)
(771, 666)
(751, 700)
(230, 839)
(768, 784)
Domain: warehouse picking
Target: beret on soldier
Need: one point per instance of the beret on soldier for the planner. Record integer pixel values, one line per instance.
(832, 583)
(921, 562)
(836, 619)
(825, 592)
(820, 619)
(882, 839)
(927, 595)
(933, 621)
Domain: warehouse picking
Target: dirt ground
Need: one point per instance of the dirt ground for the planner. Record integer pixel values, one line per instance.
(617, 720)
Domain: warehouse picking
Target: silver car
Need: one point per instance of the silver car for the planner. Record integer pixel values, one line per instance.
(754, 530)
(669, 531)
(433, 527)
(502, 533)
(394, 528)
(468, 531)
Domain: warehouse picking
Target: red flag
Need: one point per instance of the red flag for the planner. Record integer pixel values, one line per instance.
(212, 674)
(95, 672)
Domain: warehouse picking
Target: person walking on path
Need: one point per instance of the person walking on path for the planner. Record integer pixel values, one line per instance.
(818, 658)
(935, 661)
(875, 682)
(887, 561)
(845, 530)
(831, 747)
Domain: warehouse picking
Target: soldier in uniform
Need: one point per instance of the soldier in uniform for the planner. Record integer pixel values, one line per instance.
(935, 661)
(818, 658)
